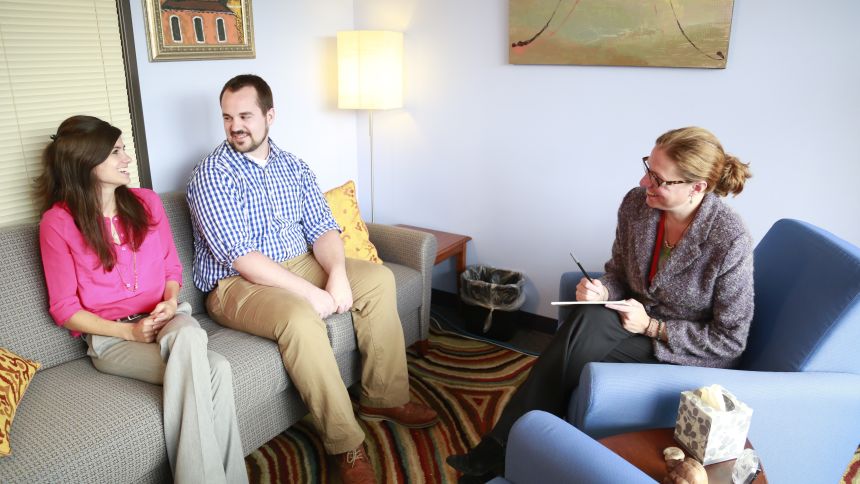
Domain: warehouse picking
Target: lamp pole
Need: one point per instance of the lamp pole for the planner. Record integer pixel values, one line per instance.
(370, 135)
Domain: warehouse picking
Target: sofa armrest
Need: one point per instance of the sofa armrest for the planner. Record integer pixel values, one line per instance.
(795, 414)
(410, 248)
(544, 448)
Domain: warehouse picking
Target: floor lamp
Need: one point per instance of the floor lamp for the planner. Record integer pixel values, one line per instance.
(370, 76)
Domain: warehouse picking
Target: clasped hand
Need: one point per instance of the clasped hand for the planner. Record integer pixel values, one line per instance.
(335, 298)
(632, 313)
(146, 329)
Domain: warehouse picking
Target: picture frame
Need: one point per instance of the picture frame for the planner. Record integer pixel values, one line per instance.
(199, 29)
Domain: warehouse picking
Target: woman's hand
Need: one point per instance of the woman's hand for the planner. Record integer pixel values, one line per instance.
(633, 315)
(146, 329)
(591, 291)
(164, 311)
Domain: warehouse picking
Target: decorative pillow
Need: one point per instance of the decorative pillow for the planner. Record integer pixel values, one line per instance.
(15, 375)
(353, 231)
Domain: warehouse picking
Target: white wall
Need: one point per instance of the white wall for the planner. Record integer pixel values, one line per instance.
(296, 54)
(532, 161)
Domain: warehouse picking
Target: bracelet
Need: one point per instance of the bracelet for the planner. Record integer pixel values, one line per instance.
(660, 327)
(648, 328)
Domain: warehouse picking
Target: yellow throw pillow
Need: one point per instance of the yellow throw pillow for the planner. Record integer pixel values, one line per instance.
(353, 231)
(15, 375)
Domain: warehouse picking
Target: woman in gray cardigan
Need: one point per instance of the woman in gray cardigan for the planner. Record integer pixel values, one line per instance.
(681, 271)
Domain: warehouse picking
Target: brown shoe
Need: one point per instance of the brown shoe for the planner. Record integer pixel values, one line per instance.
(412, 415)
(354, 467)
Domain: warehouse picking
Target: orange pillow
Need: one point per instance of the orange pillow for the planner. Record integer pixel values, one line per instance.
(15, 375)
(353, 231)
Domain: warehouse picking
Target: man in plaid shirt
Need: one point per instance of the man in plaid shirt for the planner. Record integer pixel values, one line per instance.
(269, 252)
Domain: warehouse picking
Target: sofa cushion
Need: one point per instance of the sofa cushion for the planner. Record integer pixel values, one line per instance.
(72, 413)
(176, 208)
(26, 328)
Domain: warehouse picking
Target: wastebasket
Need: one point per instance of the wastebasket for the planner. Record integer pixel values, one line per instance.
(498, 291)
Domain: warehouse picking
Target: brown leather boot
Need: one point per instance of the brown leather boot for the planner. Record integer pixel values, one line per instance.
(354, 467)
(411, 415)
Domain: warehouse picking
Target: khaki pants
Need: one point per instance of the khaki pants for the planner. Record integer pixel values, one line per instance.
(291, 321)
(200, 428)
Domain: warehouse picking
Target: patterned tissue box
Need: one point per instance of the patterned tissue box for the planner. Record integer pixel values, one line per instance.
(711, 435)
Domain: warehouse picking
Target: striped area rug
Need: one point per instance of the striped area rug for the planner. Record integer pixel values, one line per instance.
(468, 382)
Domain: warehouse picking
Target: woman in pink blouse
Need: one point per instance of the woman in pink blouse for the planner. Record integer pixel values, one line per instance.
(113, 277)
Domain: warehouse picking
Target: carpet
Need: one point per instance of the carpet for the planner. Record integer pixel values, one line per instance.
(468, 382)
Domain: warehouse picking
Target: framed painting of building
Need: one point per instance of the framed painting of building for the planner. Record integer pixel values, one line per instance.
(199, 29)
(665, 33)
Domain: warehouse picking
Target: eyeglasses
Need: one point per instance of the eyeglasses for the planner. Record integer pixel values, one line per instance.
(655, 179)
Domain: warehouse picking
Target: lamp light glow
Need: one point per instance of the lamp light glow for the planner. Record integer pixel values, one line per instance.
(370, 69)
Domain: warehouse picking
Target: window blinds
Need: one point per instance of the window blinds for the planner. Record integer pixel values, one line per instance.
(58, 58)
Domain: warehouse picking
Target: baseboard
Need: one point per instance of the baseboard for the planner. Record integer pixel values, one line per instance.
(533, 321)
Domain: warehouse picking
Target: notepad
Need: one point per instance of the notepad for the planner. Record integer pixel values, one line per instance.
(573, 303)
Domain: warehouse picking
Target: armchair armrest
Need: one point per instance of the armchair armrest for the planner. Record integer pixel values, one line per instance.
(808, 417)
(544, 448)
(410, 248)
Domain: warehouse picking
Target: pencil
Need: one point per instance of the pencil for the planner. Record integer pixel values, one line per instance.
(582, 269)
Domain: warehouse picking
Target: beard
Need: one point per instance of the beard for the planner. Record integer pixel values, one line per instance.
(251, 143)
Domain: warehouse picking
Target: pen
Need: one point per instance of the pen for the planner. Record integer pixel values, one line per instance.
(582, 269)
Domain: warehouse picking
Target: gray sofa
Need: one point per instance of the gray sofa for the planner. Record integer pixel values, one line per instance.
(76, 424)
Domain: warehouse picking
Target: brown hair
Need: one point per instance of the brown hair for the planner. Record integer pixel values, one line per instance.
(264, 92)
(81, 144)
(700, 156)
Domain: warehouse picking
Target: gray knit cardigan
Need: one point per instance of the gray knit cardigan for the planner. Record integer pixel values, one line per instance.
(704, 292)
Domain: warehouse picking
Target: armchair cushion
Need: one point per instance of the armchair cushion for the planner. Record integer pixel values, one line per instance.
(544, 448)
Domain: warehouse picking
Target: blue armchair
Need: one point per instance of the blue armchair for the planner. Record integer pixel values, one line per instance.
(800, 372)
(542, 448)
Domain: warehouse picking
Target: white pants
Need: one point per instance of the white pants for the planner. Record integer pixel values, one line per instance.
(200, 428)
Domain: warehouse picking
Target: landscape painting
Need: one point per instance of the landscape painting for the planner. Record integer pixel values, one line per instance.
(664, 33)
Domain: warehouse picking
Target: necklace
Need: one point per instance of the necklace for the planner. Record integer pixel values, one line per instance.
(131, 286)
(672, 246)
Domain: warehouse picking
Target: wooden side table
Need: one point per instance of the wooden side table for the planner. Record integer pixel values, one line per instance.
(644, 449)
(447, 245)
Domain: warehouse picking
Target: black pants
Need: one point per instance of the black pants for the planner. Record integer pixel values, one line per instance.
(590, 333)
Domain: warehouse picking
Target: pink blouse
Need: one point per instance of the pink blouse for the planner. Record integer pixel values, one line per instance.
(77, 281)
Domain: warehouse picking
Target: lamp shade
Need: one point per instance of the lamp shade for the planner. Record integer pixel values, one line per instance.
(370, 69)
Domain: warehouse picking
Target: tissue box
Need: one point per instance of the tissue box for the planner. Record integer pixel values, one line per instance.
(711, 435)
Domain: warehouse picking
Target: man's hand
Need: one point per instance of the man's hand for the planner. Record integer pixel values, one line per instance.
(322, 301)
(340, 290)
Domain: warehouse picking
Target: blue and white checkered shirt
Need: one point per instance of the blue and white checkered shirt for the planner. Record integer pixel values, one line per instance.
(238, 207)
